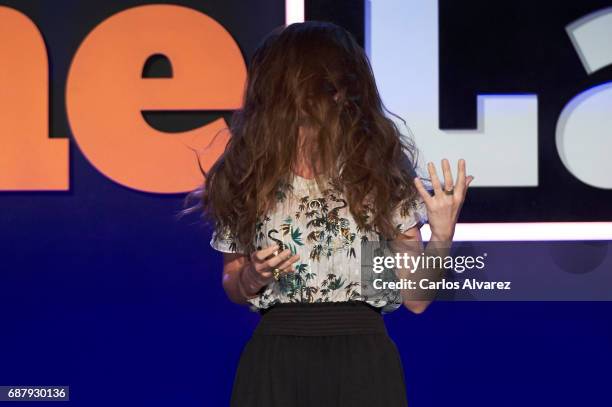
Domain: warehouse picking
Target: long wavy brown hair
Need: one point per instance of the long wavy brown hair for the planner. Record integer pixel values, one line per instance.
(312, 75)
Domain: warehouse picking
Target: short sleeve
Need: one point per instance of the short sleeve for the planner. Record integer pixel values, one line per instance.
(224, 242)
(410, 213)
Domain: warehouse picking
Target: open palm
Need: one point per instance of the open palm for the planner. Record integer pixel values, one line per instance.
(444, 206)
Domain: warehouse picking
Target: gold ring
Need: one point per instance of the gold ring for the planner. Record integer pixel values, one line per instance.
(276, 272)
(447, 192)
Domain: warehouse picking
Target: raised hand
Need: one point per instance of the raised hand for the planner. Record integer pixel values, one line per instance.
(444, 206)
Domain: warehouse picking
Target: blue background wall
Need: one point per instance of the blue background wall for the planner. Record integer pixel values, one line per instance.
(104, 290)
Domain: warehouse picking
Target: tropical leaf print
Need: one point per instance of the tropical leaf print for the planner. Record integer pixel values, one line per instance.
(296, 236)
(319, 226)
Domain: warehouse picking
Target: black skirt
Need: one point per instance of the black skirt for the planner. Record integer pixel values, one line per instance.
(319, 355)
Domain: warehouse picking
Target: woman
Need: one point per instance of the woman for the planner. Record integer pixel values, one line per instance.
(313, 171)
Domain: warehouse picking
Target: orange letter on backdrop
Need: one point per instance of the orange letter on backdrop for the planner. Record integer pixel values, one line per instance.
(29, 159)
(105, 95)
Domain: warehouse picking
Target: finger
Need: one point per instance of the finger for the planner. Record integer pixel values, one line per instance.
(262, 254)
(421, 190)
(286, 266)
(469, 180)
(460, 186)
(276, 260)
(260, 274)
(448, 175)
(435, 181)
(265, 276)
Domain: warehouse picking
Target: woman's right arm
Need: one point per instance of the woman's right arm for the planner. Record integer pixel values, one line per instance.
(244, 276)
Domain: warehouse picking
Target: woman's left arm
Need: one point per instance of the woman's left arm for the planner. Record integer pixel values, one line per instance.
(443, 208)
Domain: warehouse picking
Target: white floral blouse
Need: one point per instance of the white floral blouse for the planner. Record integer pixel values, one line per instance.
(318, 225)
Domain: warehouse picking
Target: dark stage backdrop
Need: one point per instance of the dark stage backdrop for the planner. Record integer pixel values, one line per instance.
(104, 290)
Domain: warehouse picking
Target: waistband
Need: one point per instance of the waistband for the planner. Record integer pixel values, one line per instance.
(321, 319)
